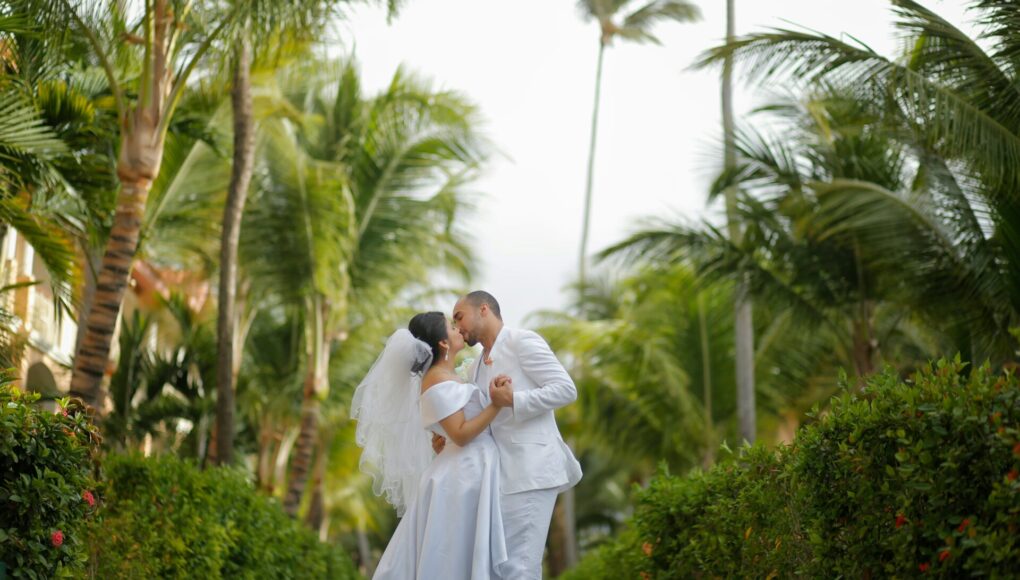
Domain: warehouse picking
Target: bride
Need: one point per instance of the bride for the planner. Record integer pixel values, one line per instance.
(451, 524)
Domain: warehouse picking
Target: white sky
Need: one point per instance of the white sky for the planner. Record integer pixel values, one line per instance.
(530, 67)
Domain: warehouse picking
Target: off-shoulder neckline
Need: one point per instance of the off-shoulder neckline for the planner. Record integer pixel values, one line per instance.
(441, 383)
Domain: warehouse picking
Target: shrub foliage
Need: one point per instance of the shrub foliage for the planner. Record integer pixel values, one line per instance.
(895, 479)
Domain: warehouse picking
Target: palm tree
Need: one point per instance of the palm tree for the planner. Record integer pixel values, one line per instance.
(237, 193)
(641, 343)
(30, 148)
(635, 26)
(268, 384)
(269, 28)
(654, 336)
(148, 55)
(55, 172)
(154, 390)
(956, 102)
(355, 204)
(800, 254)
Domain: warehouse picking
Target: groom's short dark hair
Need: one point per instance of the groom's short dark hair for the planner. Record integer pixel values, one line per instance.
(479, 297)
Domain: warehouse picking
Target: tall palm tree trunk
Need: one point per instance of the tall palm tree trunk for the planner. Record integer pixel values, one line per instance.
(365, 550)
(281, 457)
(240, 178)
(743, 323)
(315, 380)
(586, 224)
(745, 364)
(706, 382)
(264, 456)
(316, 515)
(92, 257)
(304, 447)
(143, 133)
(863, 347)
(563, 537)
(138, 166)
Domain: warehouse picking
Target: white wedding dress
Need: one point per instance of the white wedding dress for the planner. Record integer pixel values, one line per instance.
(453, 526)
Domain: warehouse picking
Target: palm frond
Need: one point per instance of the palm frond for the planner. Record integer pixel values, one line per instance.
(942, 51)
(718, 260)
(294, 237)
(1001, 22)
(906, 239)
(23, 132)
(950, 122)
(182, 218)
(661, 10)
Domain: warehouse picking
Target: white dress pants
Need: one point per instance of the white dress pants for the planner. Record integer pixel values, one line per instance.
(526, 518)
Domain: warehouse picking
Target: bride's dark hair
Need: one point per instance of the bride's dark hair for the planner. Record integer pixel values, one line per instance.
(430, 328)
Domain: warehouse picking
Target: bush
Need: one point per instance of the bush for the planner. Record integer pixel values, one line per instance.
(617, 559)
(727, 521)
(46, 489)
(166, 518)
(916, 476)
(898, 479)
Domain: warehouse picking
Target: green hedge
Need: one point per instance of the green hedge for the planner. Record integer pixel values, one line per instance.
(46, 489)
(899, 479)
(165, 518)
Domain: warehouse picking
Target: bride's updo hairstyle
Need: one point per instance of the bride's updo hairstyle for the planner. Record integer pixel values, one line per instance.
(430, 328)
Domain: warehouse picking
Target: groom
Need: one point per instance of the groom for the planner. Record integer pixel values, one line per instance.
(536, 465)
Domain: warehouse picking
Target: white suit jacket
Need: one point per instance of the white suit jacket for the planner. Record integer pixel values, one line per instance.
(532, 452)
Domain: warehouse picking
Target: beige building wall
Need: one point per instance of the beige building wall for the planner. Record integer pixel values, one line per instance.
(46, 364)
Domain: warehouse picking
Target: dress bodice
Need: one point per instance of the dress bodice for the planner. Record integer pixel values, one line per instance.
(446, 398)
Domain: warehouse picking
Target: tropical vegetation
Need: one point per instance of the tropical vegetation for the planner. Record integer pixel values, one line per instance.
(234, 222)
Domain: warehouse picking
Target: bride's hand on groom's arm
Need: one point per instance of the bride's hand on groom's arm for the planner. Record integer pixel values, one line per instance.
(501, 391)
(438, 443)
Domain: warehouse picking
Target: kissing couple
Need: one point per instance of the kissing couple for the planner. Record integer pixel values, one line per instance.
(472, 467)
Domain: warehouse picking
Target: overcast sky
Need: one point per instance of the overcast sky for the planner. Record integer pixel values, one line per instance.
(529, 65)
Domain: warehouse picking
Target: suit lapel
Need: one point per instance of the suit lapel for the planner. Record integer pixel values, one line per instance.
(499, 347)
(496, 355)
(473, 371)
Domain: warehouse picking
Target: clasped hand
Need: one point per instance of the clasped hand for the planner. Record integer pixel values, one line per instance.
(501, 391)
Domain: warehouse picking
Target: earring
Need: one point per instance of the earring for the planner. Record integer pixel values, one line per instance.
(447, 355)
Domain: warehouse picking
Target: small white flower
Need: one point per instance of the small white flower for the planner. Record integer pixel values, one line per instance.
(463, 368)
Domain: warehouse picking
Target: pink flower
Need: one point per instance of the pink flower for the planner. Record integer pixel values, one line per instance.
(943, 555)
(89, 499)
(923, 566)
(57, 539)
(963, 525)
(900, 520)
